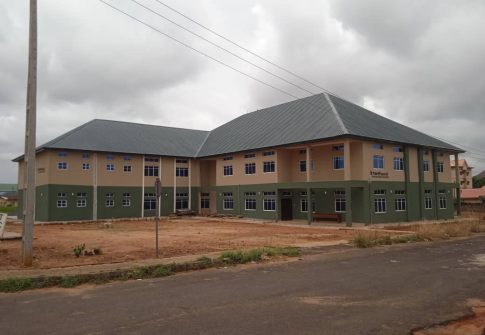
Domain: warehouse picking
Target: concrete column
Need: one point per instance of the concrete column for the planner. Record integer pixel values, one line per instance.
(308, 159)
(143, 187)
(435, 182)
(406, 180)
(190, 184)
(310, 209)
(458, 186)
(348, 205)
(347, 172)
(421, 183)
(95, 186)
(368, 202)
(174, 185)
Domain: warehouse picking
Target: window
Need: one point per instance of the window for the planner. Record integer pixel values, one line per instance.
(251, 155)
(269, 204)
(269, 193)
(427, 192)
(204, 203)
(82, 194)
(250, 194)
(399, 192)
(380, 205)
(109, 157)
(340, 203)
(86, 166)
(400, 204)
(110, 167)
(304, 205)
(151, 171)
(338, 148)
(378, 162)
(303, 194)
(269, 167)
(151, 159)
(268, 153)
(127, 158)
(287, 194)
(379, 192)
(250, 204)
(61, 203)
(302, 151)
(439, 167)
(182, 200)
(181, 161)
(81, 203)
(425, 166)
(377, 146)
(227, 202)
(398, 164)
(150, 204)
(62, 166)
(182, 172)
(338, 163)
(428, 203)
(442, 199)
(397, 149)
(85, 155)
(227, 170)
(126, 201)
(127, 168)
(62, 154)
(302, 166)
(61, 195)
(250, 168)
(110, 203)
(227, 158)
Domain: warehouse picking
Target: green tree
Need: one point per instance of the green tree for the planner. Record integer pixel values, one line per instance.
(478, 182)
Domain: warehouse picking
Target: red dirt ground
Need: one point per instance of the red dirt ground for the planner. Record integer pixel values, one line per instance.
(135, 240)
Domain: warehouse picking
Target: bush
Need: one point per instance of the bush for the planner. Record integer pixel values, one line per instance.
(78, 250)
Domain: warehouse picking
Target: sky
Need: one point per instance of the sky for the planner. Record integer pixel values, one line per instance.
(420, 63)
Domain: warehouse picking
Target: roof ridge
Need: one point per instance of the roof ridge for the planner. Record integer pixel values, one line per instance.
(66, 134)
(151, 125)
(202, 144)
(337, 115)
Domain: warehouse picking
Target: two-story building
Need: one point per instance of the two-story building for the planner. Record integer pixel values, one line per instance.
(317, 154)
(464, 173)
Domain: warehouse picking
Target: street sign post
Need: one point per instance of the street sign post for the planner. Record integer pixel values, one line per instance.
(158, 193)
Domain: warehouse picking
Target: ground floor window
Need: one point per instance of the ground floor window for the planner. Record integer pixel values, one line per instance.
(340, 205)
(110, 203)
(400, 204)
(149, 202)
(182, 201)
(442, 200)
(428, 203)
(61, 203)
(304, 205)
(269, 204)
(204, 203)
(380, 205)
(250, 204)
(80, 203)
(228, 204)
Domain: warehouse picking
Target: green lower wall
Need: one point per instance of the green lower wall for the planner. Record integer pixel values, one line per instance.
(322, 195)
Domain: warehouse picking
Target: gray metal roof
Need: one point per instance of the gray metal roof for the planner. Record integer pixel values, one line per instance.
(125, 137)
(309, 119)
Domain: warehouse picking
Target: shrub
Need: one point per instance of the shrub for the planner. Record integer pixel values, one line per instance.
(78, 250)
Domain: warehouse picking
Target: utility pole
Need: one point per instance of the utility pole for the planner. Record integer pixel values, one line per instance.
(30, 133)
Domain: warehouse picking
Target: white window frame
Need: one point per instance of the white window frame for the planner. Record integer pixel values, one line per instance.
(251, 201)
(109, 203)
(61, 203)
(250, 167)
(428, 201)
(126, 202)
(86, 166)
(227, 171)
(440, 167)
(399, 163)
(226, 201)
(302, 166)
(269, 164)
(62, 166)
(127, 168)
(81, 203)
(380, 159)
(443, 201)
(341, 201)
(181, 171)
(110, 167)
(378, 202)
(269, 201)
(205, 203)
(338, 158)
(304, 203)
(400, 204)
(425, 165)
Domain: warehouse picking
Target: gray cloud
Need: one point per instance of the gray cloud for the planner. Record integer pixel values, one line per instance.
(420, 63)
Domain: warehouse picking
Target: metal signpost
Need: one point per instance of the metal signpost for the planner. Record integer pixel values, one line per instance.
(158, 193)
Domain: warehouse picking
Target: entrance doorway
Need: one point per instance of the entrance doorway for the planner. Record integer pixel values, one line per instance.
(286, 209)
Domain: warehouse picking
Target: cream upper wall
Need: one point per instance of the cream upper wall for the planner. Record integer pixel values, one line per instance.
(413, 164)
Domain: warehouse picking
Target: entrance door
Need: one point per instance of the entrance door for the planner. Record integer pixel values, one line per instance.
(286, 209)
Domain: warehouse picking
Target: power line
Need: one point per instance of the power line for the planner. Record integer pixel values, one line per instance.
(222, 48)
(199, 51)
(244, 48)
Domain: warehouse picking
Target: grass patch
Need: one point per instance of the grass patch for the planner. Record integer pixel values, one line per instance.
(146, 272)
(419, 233)
(8, 210)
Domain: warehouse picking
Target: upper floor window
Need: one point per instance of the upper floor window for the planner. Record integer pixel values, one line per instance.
(338, 163)
(85, 154)
(302, 166)
(62, 166)
(269, 193)
(227, 158)
(397, 149)
(181, 161)
(127, 168)
(439, 167)
(86, 166)
(251, 155)
(302, 151)
(268, 153)
(378, 162)
(425, 166)
(151, 171)
(182, 172)
(268, 167)
(127, 158)
(109, 156)
(62, 154)
(227, 170)
(250, 168)
(398, 163)
(377, 146)
(152, 159)
(380, 192)
(110, 167)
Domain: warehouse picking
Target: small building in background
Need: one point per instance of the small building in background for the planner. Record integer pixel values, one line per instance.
(9, 199)
(464, 171)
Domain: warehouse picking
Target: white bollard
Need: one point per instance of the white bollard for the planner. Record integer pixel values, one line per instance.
(3, 223)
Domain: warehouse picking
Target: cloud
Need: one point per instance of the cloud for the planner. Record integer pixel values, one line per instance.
(420, 63)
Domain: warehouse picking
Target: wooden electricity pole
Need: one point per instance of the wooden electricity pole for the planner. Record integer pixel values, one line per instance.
(30, 133)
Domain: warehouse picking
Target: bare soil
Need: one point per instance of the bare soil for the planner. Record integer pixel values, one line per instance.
(135, 240)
